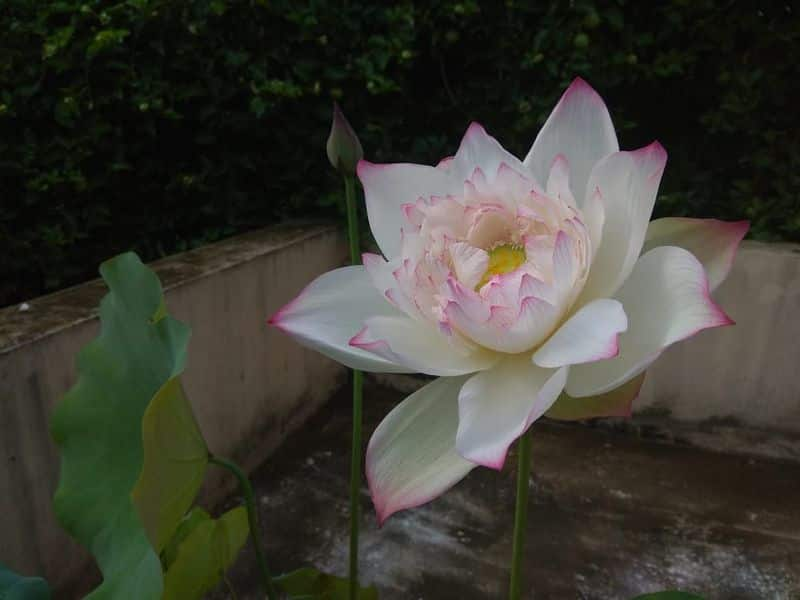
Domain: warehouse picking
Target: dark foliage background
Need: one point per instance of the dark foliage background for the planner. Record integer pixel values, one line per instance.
(159, 125)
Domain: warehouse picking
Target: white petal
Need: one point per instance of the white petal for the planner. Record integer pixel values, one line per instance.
(558, 181)
(594, 216)
(580, 128)
(496, 406)
(469, 262)
(420, 347)
(507, 329)
(480, 150)
(512, 183)
(564, 267)
(490, 225)
(330, 311)
(382, 272)
(628, 183)
(469, 300)
(590, 334)
(714, 243)
(667, 300)
(388, 187)
(411, 457)
(446, 163)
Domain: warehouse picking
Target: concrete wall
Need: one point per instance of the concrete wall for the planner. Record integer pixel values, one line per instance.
(249, 384)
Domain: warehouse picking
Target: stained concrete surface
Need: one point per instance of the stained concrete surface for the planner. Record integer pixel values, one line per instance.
(612, 515)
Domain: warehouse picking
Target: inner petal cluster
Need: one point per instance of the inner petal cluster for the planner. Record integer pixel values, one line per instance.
(498, 266)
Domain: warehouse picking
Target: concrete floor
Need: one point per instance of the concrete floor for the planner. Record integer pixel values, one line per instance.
(612, 515)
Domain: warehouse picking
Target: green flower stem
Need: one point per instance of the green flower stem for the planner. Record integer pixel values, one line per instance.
(358, 381)
(352, 219)
(252, 519)
(520, 514)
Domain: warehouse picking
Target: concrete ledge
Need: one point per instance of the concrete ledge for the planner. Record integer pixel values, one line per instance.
(249, 385)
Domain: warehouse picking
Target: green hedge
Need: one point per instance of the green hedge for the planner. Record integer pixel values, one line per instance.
(158, 125)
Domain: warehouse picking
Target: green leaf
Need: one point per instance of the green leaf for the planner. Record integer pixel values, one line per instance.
(616, 403)
(57, 41)
(106, 39)
(125, 429)
(17, 587)
(308, 583)
(192, 519)
(669, 595)
(209, 546)
(174, 452)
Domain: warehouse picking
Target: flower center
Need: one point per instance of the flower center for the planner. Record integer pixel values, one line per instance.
(502, 259)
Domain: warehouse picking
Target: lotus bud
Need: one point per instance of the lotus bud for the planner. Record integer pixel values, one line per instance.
(344, 149)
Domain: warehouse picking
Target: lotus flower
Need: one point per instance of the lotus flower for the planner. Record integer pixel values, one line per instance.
(529, 287)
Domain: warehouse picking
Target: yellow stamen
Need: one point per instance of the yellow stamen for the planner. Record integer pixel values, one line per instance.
(503, 259)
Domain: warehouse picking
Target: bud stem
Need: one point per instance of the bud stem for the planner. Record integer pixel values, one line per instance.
(358, 380)
(352, 219)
